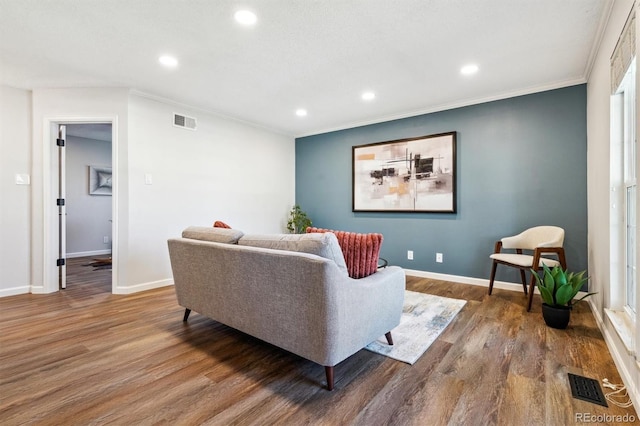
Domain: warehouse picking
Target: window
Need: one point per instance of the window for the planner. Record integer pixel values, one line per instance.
(625, 119)
(623, 307)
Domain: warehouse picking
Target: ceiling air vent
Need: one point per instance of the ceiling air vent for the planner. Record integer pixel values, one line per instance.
(183, 121)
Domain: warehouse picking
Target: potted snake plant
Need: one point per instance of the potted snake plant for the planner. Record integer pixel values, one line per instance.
(558, 288)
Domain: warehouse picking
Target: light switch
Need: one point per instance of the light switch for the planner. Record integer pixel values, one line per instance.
(22, 179)
(148, 179)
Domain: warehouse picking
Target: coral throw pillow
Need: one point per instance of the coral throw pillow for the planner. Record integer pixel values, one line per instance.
(360, 251)
(220, 224)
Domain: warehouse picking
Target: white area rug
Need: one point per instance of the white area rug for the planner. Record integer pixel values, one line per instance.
(424, 317)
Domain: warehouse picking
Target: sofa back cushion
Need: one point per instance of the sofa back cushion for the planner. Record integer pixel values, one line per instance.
(321, 245)
(361, 251)
(216, 235)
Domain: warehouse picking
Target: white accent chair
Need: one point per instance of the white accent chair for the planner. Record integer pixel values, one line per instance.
(541, 242)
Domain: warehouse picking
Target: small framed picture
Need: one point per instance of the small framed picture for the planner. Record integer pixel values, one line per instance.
(100, 180)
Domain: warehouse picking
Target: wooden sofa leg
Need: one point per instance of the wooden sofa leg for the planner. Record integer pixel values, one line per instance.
(186, 314)
(389, 338)
(329, 372)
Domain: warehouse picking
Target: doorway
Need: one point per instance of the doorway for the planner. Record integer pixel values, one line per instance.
(88, 202)
(90, 146)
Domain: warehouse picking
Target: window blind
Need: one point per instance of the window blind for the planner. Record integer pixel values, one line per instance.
(624, 52)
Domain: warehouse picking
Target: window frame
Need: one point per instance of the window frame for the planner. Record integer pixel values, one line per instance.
(626, 118)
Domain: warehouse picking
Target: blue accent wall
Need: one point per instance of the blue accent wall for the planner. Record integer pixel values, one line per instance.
(521, 162)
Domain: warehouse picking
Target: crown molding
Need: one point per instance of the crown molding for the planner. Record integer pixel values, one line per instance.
(449, 106)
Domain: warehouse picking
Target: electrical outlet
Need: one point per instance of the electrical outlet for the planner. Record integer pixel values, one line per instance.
(439, 258)
(105, 239)
(410, 254)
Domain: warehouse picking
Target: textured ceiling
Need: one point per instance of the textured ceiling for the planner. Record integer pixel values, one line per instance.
(318, 55)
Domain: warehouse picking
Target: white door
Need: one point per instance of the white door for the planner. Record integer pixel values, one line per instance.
(60, 201)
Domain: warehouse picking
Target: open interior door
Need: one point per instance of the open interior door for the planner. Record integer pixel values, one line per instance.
(60, 201)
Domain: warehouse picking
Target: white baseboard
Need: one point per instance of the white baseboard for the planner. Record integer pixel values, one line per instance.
(618, 358)
(142, 287)
(14, 291)
(88, 253)
(118, 290)
(503, 285)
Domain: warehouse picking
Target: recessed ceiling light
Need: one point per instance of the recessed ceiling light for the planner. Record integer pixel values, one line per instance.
(368, 96)
(246, 17)
(168, 61)
(301, 112)
(469, 69)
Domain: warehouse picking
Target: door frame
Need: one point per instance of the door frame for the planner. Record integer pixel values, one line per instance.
(49, 195)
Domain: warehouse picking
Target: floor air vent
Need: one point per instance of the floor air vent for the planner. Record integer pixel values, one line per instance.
(184, 122)
(586, 389)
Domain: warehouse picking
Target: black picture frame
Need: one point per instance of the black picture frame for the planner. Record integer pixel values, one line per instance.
(416, 175)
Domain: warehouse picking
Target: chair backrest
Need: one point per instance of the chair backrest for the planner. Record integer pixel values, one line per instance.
(538, 236)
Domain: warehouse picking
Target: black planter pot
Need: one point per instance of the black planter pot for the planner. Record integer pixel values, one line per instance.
(556, 317)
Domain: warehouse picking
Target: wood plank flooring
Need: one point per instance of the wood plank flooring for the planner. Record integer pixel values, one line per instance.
(85, 356)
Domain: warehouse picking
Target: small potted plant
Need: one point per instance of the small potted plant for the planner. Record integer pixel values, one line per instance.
(558, 288)
(298, 221)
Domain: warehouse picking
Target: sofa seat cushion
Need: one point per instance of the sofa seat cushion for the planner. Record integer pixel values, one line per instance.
(321, 245)
(361, 251)
(216, 235)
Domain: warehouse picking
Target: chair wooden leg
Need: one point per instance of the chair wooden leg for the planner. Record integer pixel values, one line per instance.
(562, 259)
(186, 314)
(523, 278)
(493, 276)
(532, 287)
(329, 373)
(389, 338)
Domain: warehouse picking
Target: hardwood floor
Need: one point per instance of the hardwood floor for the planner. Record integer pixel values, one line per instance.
(85, 356)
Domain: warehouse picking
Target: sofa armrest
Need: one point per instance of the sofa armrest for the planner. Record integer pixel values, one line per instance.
(362, 310)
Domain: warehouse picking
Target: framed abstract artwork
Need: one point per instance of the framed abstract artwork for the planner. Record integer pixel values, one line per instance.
(406, 175)
(100, 180)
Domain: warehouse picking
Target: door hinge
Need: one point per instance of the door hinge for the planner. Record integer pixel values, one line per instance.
(60, 142)
(60, 202)
(61, 262)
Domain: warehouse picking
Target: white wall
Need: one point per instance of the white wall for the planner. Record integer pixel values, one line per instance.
(88, 216)
(15, 200)
(225, 170)
(600, 196)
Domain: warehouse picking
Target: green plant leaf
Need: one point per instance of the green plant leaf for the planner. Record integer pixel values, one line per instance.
(298, 220)
(536, 276)
(549, 282)
(570, 276)
(558, 287)
(561, 278)
(585, 296)
(564, 294)
(578, 280)
(546, 295)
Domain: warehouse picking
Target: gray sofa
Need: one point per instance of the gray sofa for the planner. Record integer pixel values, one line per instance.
(292, 291)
